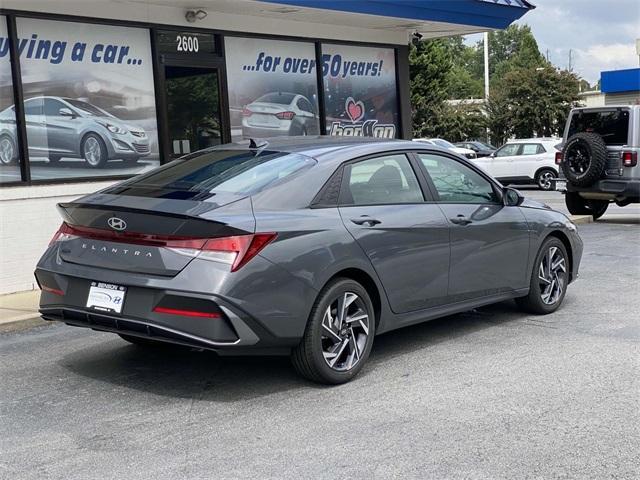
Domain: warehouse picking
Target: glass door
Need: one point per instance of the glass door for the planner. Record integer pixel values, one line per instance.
(193, 108)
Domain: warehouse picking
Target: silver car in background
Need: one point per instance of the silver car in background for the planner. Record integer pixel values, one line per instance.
(280, 114)
(59, 127)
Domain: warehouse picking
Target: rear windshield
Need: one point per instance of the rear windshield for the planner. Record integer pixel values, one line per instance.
(237, 172)
(277, 97)
(612, 125)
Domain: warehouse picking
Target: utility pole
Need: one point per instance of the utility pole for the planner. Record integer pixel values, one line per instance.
(486, 76)
(570, 54)
(486, 66)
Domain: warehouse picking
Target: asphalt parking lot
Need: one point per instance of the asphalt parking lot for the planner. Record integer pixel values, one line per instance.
(487, 394)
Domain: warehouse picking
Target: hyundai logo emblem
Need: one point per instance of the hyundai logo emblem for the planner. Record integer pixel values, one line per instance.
(117, 223)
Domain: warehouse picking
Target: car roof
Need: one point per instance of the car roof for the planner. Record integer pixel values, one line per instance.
(534, 140)
(328, 148)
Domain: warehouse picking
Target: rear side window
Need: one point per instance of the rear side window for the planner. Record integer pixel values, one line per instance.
(382, 180)
(530, 149)
(612, 125)
(238, 172)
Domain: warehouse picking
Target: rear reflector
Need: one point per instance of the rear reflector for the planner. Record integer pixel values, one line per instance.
(558, 158)
(629, 159)
(246, 112)
(55, 291)
(236, 250)
(186, 313)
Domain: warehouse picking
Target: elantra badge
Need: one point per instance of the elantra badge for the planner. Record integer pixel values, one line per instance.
(117, 223)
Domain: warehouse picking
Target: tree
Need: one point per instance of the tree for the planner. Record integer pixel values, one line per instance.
(530, 102)
(430, 62)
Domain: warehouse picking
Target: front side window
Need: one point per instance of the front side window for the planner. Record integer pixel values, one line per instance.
(382, 180)
(457, 183)
(509, 150)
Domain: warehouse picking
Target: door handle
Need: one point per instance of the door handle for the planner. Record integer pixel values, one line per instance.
(366, 221)
(461, 220)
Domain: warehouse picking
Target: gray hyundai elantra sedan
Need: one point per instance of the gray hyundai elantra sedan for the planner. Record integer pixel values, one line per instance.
(302, 246)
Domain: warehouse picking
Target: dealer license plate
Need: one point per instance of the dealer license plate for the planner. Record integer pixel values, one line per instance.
(106, 297)
(561, 185)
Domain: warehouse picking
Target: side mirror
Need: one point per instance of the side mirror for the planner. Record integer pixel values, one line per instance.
(66, 112)
(512, 197)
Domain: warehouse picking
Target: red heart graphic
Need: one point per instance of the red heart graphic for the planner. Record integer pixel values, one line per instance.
(354, 109)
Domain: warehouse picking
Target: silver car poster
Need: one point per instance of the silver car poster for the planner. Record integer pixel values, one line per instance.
(273, 89)
(89, 98)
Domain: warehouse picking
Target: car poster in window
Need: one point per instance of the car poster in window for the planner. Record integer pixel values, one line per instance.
(89, 98)
(272, 88)
(360, 91)
(9, 158)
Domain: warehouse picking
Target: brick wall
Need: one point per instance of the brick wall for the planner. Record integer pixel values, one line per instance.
(28, 220)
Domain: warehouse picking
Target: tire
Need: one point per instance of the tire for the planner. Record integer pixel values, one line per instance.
(315, 357)
(544, 177)
(584, 159)
(8, 150)
(94, 151)
(545, 296)
(581, 206)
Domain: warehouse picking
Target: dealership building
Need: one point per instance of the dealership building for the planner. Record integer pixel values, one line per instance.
(94, 91)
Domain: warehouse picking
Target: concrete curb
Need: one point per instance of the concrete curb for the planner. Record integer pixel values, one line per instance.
(581, 219)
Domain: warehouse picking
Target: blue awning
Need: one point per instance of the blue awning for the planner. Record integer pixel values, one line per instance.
(618, 81)
(490, 14)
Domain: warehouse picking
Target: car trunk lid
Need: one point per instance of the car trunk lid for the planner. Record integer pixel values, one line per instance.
(156, 236)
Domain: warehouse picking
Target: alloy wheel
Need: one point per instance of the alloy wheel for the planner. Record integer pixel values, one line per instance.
(544, 180)
(345, 330)
(578, 159)
(6, 151)
(552, 274)
(92, 151)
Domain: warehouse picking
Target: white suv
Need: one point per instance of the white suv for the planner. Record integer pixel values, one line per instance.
(527, 160)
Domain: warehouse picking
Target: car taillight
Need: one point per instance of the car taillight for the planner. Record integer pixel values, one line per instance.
(629, 159)
(235, 251)
(558, 158)
(64, 233)
(285, 115)
(246, 112)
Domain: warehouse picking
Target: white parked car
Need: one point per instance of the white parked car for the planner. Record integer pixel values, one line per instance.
(465, 152)
(525, 161)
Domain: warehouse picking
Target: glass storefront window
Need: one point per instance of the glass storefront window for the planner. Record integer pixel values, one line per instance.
(360, 91)
(273, 88)
(89, 99)
(9, 158)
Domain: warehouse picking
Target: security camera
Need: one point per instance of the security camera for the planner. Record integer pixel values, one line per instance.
(192, 15)
(416, 37)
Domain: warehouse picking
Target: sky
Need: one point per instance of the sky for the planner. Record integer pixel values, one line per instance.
(601, 33)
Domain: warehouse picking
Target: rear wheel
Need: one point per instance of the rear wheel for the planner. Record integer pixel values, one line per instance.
(582, 206)
(549, 279)
(339, 334)
(544, 179)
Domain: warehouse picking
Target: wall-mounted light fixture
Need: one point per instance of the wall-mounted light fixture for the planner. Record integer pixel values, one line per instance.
(192, 15)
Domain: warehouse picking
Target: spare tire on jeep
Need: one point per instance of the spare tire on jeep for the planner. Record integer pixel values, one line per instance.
(584, 158)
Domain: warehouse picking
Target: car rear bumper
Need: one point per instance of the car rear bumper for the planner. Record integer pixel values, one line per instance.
(235, 330)
(612, 187)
